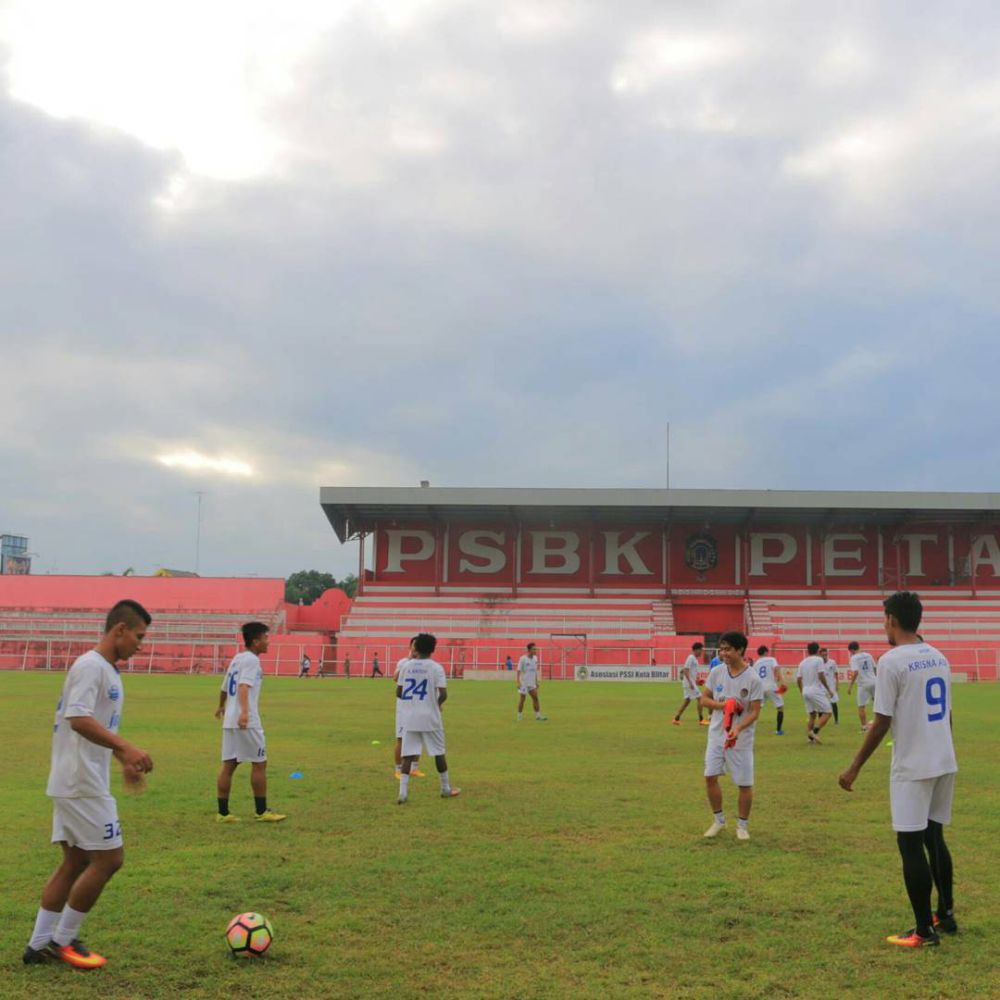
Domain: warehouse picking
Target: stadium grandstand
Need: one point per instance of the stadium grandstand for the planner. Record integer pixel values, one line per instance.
(597, 578)
(47, 621)
(630, 578)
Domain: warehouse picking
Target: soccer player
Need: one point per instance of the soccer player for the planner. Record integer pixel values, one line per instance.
(832, 682)
(527, 683)
(689, 683)
(811, 680)
(242, 730)
(376, 669)
(913, 698)
(422, 687)
(84, 814)
(769, 672)
(731, 749)
(415, 772)
(304, 665)
(863, 673)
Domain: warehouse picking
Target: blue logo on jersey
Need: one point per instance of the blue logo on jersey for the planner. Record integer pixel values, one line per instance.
(718, 689)
(113, 693)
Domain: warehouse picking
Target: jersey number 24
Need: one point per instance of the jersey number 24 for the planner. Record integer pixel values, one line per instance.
(411, 689)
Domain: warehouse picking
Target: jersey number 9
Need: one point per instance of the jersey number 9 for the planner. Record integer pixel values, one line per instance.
(936, 695)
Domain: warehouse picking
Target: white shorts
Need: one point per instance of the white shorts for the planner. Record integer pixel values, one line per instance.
(817, 701)
(865, 695)
(90, 824)
(834, 698)
(771, 694)
(244, 745)
(738, 763)
(913, 803)
(414, 741)
(690, 693)
(527, 688)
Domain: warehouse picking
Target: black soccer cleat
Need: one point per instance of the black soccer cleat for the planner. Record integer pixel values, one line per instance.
(945, 925)
(38, 956)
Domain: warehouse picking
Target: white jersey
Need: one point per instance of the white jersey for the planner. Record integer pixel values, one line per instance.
(244, 671)
(420, 681)
(863, 666)
(399, 704)
(745, 687)
(914, 687)
(830, 669)
(528, 666)
(81, 769)
(764, 669)
(689, 674)
(810, 670)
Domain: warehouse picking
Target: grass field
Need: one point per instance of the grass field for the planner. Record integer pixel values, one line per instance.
(572, 865)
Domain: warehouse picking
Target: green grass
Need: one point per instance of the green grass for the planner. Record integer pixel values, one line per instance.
(572, 865)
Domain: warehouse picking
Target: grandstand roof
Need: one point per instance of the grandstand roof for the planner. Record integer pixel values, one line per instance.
(353, 509)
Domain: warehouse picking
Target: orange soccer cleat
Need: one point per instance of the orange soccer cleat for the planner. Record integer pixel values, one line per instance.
(78, 955)
(733, 708)
(911, 939)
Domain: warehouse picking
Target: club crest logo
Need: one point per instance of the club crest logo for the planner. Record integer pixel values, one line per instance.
(113, 692)
(701, 552)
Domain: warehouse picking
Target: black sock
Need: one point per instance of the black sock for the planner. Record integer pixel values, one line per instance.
(836, 714)
(260, 801)
(223, 806)
(781, 718)
(917, 876)
(941, 868)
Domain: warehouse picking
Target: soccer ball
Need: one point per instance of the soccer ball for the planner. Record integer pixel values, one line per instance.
(249, 934)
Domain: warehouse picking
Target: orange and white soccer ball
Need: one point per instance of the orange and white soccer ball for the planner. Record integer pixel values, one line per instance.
(249, 935)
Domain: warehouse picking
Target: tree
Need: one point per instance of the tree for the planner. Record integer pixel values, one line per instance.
(308, 584)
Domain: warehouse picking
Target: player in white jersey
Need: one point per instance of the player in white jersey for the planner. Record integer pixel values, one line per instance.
(811, 679)
(913, 699)
(767, 670)
(689, 685)
(415, 772)
(84, 814)
(422, 687)
(863, 672)
(242, 730)
(832, 682)
(734, 694)
(528, 680)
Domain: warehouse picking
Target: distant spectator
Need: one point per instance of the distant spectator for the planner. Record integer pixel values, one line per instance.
(510, 663)
(347, 665)
(320, 667)
(376, 670)
(304, 664)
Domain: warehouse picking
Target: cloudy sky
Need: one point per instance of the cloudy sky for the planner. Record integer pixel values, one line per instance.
(253, 248)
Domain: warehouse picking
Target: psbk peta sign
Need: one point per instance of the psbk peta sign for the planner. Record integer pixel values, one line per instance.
(613, 673)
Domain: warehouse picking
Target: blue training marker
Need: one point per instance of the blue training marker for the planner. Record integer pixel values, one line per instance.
(295, 774)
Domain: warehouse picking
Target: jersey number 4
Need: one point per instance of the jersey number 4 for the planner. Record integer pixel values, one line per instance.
(411, 689)
(936, 694)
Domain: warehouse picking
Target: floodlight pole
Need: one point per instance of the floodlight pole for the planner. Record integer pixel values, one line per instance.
(197, 537)
(668, 454)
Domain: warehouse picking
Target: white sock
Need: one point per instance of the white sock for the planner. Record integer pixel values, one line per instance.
(445, 784)
(45, 926)
(742, 823)
(404, 785)
(720, 818)
(520, 715)
(70, 922)
(538, 715)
